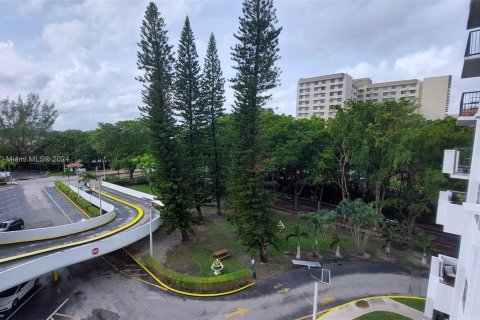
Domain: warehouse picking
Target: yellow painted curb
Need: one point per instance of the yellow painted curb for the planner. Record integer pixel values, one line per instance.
(367, 298)
(81, 210)
(201, 295)
(104, 235)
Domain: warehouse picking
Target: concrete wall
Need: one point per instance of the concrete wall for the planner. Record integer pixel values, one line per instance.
(133, 193)
(30, 268)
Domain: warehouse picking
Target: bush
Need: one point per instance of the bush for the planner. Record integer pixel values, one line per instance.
(79, 201)
(193, 284)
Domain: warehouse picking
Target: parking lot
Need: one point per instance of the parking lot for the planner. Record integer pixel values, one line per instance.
(38, 203)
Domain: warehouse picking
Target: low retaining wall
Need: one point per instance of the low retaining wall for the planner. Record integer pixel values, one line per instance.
(133, 193)
(62, 230)
(30, 268)
(93, 199)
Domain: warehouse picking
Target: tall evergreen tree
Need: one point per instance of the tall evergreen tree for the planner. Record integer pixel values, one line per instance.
(155, 59)
(189, 107)
(213, 98)
(256, 73)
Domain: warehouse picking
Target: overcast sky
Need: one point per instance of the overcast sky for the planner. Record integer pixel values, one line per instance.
(82, 54)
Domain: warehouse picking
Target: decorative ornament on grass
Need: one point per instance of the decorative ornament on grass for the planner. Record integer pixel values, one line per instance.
(217, 266)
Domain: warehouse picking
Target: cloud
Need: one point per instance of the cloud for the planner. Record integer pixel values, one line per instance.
(65, 37)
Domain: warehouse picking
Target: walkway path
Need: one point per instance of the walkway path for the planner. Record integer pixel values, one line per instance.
(356, 309)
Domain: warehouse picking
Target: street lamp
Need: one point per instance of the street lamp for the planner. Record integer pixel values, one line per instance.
(325, 278)
(150, 205)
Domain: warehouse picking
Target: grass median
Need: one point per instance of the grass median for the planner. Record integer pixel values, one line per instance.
(79, 201)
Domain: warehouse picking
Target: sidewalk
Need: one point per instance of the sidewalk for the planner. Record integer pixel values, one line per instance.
(358, 308)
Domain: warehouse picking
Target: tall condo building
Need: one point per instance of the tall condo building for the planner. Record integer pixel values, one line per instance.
(454, 282)
(317, 95)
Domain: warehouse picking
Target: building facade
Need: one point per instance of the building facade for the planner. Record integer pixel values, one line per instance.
(454, 282)
(316, 96)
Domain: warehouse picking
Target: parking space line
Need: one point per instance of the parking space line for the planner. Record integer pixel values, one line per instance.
(66, 316)
(56, 310)
(20, 306)
(43, 188)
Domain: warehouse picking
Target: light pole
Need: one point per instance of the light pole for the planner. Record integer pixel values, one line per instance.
(325, 278)
(151, 238)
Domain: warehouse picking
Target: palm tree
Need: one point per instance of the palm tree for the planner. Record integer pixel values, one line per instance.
(319, 222)
(297, 233)
(425, 242)
(387, 236)
(336, 241)
(67, 172)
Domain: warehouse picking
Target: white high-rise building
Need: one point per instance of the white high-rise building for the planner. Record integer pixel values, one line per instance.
(316, 96)
(454, 282)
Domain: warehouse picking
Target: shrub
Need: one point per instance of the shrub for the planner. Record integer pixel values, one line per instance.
(193, 284)
(79, 201)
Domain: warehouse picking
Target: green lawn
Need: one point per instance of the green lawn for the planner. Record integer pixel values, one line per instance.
(418, 304)
(382, 315)
(195, 258)
(141, 187)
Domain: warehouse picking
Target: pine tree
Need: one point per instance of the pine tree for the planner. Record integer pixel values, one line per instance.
(213, 98)
(256, 73)
(155, 59)
(189, 107)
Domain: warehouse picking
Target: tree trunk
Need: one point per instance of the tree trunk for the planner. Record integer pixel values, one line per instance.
(387, 250)
(199, 212)
(337, 252)
(131, 173)
(298, 252)
(185, 237)
(424, 259)
(219, 206)
(263, 253)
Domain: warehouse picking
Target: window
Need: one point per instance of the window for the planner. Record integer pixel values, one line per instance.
(332, 86)
(332, 81)
(340, 86)
(368, 89)
(315, 83)
(385, 94)
(323, 88)
(393, 87)
(360, 96)
(360, 90)
(316, 89)
(307, 90)
(413, 91)
(340, 79)
(375, 89)
(375, 100)
(339, 93)
(332, 93)
(324, 81)
(403, 91)
(367, 95)
(404, 86)
(375, 95)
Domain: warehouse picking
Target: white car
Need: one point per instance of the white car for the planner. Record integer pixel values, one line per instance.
(9, 298)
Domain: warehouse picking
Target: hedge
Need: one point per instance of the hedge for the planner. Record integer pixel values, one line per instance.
(79, 201)
(194, 284)
(126, 182)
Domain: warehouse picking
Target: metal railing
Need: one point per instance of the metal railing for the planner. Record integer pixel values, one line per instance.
(473, 45)
(463, 161)
(469, 104)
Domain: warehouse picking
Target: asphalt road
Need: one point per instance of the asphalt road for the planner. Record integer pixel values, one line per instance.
(101, 289)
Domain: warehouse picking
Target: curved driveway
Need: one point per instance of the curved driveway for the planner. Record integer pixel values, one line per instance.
(125, 215)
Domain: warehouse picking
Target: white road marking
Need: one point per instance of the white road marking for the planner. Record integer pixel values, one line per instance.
(43, 188)
(20, 306)
(56, 310)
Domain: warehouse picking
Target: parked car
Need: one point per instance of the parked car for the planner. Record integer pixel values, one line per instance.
(12, 225)
(86, 189)
(81, 170)
(9, 298)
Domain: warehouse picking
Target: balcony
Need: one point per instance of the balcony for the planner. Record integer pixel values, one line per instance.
(450, 212)
(456, 162)
(471, 64)
(474, 15)
(469, 105)
(441, 283)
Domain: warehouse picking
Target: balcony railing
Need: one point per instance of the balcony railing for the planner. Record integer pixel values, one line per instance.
(473, 45)
(469, 104)
(457, 162)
